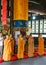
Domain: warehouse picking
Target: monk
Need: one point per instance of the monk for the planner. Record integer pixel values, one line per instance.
(40, 45)
(12, 44)
(30, 46)
(23, 46)
(21, 43)
(8, 48)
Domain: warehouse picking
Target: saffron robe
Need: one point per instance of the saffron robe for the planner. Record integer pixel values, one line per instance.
(40, 46)
(8, 49)
(30, 47)
(12, 46)
(21, 43)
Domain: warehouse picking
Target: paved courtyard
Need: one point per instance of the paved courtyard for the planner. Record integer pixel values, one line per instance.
(29, 61)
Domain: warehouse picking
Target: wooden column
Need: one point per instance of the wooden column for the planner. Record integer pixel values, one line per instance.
(11, 17)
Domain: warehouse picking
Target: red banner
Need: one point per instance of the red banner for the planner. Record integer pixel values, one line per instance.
(4, 12)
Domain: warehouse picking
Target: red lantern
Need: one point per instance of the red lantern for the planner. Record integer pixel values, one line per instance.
(25, 56)
(1, 60)
(4, 12)
(5, 27)
(13, 58)
(35, 54)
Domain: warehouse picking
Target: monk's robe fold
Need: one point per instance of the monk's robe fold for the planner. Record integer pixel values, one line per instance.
(12, 46)
(40, 46)
(30, 47)
(21, 43)
(8, 49)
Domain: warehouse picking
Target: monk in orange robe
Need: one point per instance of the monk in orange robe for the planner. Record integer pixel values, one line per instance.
(30, 46)
(8, 52)
(40, 45)
(21, 43)
(12, 44)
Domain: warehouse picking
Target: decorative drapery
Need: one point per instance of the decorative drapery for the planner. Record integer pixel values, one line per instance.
(20, 11)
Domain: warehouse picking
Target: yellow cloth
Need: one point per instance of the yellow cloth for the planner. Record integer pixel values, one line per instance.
(21, 43)
(8, 49)
(30, 47)
(40, 46)
(20, 11)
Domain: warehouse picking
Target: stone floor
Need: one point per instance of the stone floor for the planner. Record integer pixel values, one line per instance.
(29, 61)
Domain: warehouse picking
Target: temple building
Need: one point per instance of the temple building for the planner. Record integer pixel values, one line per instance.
(25, 21)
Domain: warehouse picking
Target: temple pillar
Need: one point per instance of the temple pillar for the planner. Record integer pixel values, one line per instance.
(20, 14)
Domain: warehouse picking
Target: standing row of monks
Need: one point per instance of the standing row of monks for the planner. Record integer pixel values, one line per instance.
(7, 45)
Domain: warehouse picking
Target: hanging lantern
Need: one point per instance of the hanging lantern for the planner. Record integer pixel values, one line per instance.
(4, 12)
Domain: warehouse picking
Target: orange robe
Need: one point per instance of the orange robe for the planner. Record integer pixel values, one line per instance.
(12, 45)
(30, 47)
(21, 43)
(40, 46)
(8, 49)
